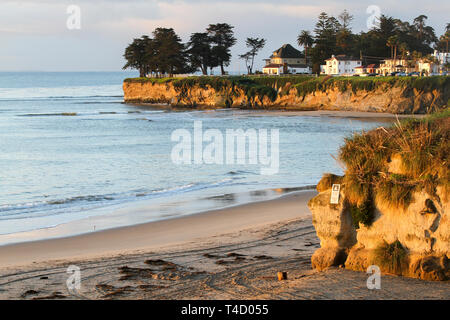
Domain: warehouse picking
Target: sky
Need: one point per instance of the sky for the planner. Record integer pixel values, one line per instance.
(35, 35)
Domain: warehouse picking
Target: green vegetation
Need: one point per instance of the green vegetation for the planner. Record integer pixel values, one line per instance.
(389, 37)
(396, 189)
(255, 45)
(163, 54)
(222, 38)
(392, 258)
(280, 81)
(423, 145)
(151, 80)
(363, 213)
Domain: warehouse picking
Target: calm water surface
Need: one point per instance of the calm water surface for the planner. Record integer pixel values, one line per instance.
(69, 148)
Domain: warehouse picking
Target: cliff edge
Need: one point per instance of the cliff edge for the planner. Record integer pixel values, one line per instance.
(393, 209)
(402, 95)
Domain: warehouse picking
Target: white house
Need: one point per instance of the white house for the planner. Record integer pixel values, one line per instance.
(427, 67)
(442, 57)
(340, 65)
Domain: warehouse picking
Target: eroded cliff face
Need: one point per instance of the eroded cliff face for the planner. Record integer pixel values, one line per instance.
(383, 99)
(423, 230)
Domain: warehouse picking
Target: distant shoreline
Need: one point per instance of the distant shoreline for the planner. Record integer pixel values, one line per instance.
(358, 115)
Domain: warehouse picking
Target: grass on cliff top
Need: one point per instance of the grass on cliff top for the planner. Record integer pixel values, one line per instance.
(422, 84)
(424, 148)
(151, 80)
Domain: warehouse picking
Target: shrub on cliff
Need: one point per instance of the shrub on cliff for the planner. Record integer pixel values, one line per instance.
(392, 258)
(423, 145)
(362, 213)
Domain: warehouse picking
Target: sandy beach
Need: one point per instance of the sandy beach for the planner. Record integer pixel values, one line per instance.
(232, 253)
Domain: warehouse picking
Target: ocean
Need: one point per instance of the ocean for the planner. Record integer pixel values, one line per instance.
(71, 149)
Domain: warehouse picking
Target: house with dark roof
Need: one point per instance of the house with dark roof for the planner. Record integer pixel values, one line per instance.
(340, 65)
(286, 59)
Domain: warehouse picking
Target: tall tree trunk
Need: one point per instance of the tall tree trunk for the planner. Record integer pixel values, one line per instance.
(222, 70)
(251, 66)
(395, 56)
(306, 56)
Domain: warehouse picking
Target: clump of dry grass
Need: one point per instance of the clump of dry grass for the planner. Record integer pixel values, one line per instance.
(391, 258)
(327, 181)
(357, 188)
(396, 190)
(424, 147)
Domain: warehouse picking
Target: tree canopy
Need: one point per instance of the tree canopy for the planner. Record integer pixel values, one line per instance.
(255, 45)
(387, 38)
(165, 54)
(200, 52)
(222, 37)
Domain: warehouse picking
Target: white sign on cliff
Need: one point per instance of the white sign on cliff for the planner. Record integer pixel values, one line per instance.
(335, 194)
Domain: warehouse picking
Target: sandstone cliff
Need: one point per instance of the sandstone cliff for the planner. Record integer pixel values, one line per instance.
(424, 234)
(394, 212)
(342, 94)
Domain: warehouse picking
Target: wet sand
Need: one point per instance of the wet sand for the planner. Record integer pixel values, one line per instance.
(154, 235)
(356, 115)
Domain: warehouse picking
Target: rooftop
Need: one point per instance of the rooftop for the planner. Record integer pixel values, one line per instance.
(287, 52)
(343, 57)
(273, 65)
